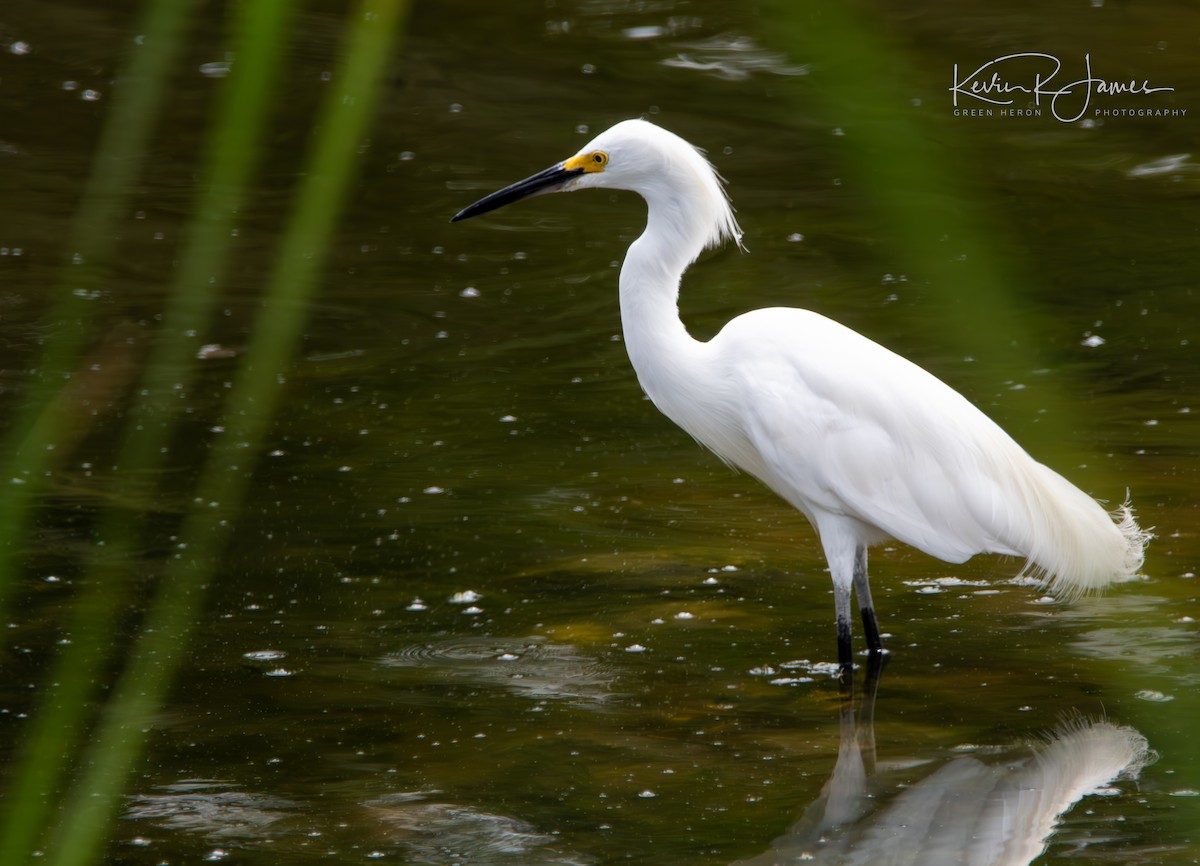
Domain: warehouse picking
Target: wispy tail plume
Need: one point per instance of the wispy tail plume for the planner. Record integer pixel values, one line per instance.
(1135, 537)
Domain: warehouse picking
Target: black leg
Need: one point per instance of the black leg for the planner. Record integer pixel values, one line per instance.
(871, 631)
(841, 599)
(845, 649)
(862, 589)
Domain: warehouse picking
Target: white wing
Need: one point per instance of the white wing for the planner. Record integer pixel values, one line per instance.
(838, 424)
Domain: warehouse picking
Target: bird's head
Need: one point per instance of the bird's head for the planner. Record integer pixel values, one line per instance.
(639, 156)
(594, 166)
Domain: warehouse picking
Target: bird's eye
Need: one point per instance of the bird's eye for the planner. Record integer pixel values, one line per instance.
(588, 161)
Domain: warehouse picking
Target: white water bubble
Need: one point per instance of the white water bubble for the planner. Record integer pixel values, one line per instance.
(1154, 696)
(264, 655)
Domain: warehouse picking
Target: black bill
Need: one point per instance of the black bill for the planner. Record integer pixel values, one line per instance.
(550, 180)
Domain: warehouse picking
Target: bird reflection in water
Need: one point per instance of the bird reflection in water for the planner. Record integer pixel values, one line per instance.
(994, 807)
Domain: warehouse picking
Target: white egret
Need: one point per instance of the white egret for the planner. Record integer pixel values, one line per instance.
(866, 444)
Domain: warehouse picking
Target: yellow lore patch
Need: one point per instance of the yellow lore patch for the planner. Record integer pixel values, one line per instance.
(593, 161)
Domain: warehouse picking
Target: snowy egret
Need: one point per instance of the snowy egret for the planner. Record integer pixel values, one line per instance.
(866, 444)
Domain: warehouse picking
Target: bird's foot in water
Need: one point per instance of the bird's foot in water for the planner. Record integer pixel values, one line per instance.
(876, 660)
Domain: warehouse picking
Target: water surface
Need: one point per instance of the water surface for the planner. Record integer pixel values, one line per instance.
(483, 604)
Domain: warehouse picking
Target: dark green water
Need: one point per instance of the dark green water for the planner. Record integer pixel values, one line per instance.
(482, 604)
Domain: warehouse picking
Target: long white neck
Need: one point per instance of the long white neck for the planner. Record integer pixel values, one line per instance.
(687, 210)
(669, 362)
(649, 293)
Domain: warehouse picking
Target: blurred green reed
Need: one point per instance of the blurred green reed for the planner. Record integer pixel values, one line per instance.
(37, 425)
(238, 122)
(940, 230)
(73, 827)
(914, 179)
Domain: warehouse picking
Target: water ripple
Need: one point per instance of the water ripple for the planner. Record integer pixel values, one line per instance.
(1175, 164)
(209, 807)
(733, 58)
(529, 666)
(438, 832)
